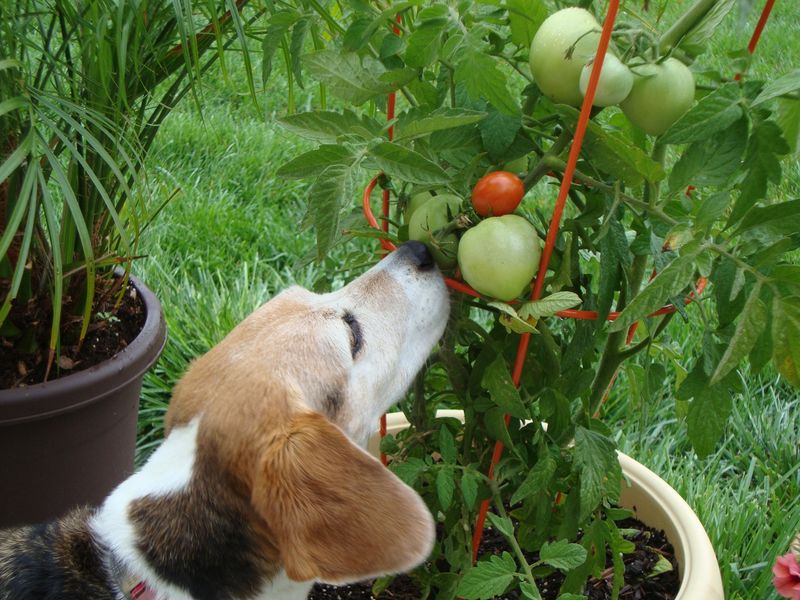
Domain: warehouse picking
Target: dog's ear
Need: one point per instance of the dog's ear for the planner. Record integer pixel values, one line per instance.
(338, 515)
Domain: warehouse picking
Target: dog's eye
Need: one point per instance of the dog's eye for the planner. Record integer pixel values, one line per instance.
(356, 339)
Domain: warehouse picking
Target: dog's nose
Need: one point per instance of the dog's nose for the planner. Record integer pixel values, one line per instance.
(418, 254)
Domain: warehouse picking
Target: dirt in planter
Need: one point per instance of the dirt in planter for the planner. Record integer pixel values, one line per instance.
(104, 339)
(650, 545)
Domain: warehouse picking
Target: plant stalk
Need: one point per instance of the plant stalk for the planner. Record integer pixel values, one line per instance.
(609, 363)
(685, 23)
(512, 540)
(557, 164)
(543, 166)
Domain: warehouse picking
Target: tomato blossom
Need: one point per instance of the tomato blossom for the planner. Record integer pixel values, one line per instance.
(786, 580)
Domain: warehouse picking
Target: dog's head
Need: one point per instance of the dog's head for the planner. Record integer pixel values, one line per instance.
(281, 400)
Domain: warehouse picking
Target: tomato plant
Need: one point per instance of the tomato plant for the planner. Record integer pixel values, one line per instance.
(499, 256)
(478, 86)
(497, 194)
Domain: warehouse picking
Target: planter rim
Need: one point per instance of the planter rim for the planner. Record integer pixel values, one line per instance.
(65, 394)
(700, 574)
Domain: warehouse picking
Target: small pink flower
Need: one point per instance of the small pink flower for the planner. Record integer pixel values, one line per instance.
(786, 580)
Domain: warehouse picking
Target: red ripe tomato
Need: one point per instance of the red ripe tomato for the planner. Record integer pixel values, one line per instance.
(497, 194)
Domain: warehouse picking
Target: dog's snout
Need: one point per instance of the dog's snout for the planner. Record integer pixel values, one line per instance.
(418, 254)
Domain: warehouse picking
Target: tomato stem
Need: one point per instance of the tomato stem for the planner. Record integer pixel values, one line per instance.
(512, 540)
(582, 178)
(652, 189)
(543, 166)
(685, 23)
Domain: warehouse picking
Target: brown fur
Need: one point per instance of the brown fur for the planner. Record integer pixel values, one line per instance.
(212, 526)
(335, 510)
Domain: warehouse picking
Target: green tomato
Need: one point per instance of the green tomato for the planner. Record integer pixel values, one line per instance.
(614, 85)
(414, 202)
(661, 94)
(428, 219)
(499, 256)
(556, 74)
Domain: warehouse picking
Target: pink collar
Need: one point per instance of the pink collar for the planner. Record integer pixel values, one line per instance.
(141, 592)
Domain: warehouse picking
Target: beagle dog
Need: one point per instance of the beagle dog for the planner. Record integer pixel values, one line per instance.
(261, 486)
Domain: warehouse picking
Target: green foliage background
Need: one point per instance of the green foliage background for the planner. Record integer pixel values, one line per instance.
(748, 482)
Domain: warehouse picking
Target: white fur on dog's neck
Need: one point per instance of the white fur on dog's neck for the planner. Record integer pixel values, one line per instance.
(168, 470)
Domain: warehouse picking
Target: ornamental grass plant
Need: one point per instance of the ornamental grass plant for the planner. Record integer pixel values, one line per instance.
(84, 89)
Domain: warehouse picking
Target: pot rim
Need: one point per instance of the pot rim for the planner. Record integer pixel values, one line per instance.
(69, 393)
(700, 574)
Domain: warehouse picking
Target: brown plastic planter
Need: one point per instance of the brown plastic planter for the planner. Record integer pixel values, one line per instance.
(72, 440)
(655, 504)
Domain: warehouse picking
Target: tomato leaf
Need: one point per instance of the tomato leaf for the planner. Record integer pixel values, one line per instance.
(711, 161)
(597, 464)
(469, 488)
(614, 255)
(708, 414)
(761, 353)
(488, 578)
(416, 123)
(331, 191)
(502, 524)
(775, 220)
(358, 33)
(751, 323)
(497, 381)
(547, 307)
(729, 304)
(445, 487)
(403, 163)
(277, 27)
(714, 112)
(409, 471)
(482, 77)
(325, 126)
(779, 87)
(613, 153)
(299, 33)
(315, 162)
(525, 17)
(788, 118)
(495, 422)
(498, 132)
(695, 39)
(766, 144)
(348, 76)
(511, 320)
(785, 334)
(447, 445)
(537, 480)
(668, 283)
(712, 209)
(562, 555)
(422, 46)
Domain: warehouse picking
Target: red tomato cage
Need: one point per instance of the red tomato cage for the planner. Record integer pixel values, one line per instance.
(552, 232)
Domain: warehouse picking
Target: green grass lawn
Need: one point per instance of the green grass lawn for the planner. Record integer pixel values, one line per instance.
(234, 235)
